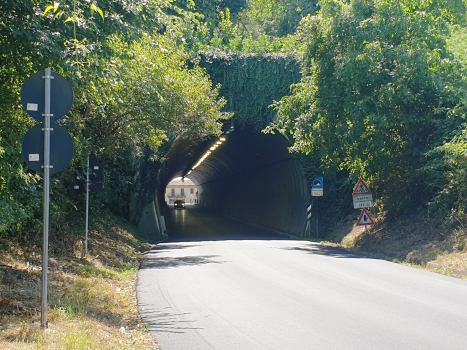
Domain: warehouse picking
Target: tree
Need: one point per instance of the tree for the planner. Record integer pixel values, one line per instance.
(276, 17)
(144, 93)
(210, 9)
(249, 26)
(378, 89)
(443, 171)
(132, 85)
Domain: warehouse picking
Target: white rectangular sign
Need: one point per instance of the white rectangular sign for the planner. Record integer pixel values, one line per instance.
(363, 198)
(358, 204)
(317, 192)
(32, 107)
(33, 157)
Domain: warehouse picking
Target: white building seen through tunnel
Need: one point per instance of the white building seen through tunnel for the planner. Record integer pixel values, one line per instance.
(180, 188)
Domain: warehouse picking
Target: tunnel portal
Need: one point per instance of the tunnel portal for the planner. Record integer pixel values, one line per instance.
(249, 176)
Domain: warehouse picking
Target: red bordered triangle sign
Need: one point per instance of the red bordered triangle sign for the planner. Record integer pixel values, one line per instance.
(365, 219)
(361, 188)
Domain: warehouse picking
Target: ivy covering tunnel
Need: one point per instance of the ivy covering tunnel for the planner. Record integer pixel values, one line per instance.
(250, 176)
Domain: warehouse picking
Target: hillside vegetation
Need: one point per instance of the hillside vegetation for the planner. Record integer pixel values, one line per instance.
(91, 299)
(378, 90)
(381, 96)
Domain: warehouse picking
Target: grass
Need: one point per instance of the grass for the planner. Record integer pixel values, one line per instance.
(91, 299)
(413, 240)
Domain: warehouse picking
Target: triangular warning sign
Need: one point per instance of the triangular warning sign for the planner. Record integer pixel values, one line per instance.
(365, 219)
(361, 188)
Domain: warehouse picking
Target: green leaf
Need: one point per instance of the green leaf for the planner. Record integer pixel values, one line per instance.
(48, 8)
(94, 7)
(100, 12)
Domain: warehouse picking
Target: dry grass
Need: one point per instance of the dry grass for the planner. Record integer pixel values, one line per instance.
(92, 300)
(413, 240)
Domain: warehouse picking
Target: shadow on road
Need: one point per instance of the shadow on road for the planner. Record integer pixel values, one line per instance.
(154, 262)
(171, 246)
(317, 249)
(200, 224)
(163, 321)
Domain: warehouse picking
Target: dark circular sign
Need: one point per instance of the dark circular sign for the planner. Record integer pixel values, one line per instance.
(33, 96)
(61, 148)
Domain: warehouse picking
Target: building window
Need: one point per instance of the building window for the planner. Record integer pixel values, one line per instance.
(192, 191)
(173, 191)
(182, 192)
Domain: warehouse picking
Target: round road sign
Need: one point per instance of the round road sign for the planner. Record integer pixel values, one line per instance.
(61, 148)
(33, 96)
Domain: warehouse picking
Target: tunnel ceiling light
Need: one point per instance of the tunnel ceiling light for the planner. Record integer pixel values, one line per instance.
(213, 147)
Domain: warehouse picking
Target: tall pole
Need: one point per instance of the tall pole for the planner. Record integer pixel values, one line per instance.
(87, 209)
(45, 242)
(317, 219)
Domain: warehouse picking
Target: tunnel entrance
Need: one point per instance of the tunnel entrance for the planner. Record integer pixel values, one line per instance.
(245, 174)
(181, 189)
(250, 177)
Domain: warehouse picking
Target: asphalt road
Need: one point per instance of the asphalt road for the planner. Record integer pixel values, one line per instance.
(222, 285)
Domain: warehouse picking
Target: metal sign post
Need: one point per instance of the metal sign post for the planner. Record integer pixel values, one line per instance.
(45, 242)
(316, 191)
(36, 98)
(94, 183)
(87, 210)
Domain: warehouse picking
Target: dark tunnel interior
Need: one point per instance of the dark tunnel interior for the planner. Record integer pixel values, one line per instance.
(249, 176)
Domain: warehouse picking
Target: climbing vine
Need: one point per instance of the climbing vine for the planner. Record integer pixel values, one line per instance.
(251, 83)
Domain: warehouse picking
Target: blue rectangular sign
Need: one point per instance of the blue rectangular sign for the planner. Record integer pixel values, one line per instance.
(317, 183)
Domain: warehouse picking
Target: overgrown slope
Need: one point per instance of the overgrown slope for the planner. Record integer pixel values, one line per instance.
(92, 300)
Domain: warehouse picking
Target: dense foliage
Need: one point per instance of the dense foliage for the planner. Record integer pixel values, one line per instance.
(379, 89)
(380, 94)
(444, 167)
(261, 27)
(133, 90)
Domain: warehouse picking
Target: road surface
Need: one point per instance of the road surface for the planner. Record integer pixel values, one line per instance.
(218, 284)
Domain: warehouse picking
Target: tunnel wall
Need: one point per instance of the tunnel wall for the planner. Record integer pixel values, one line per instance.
(253, 178)
(261, 198)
